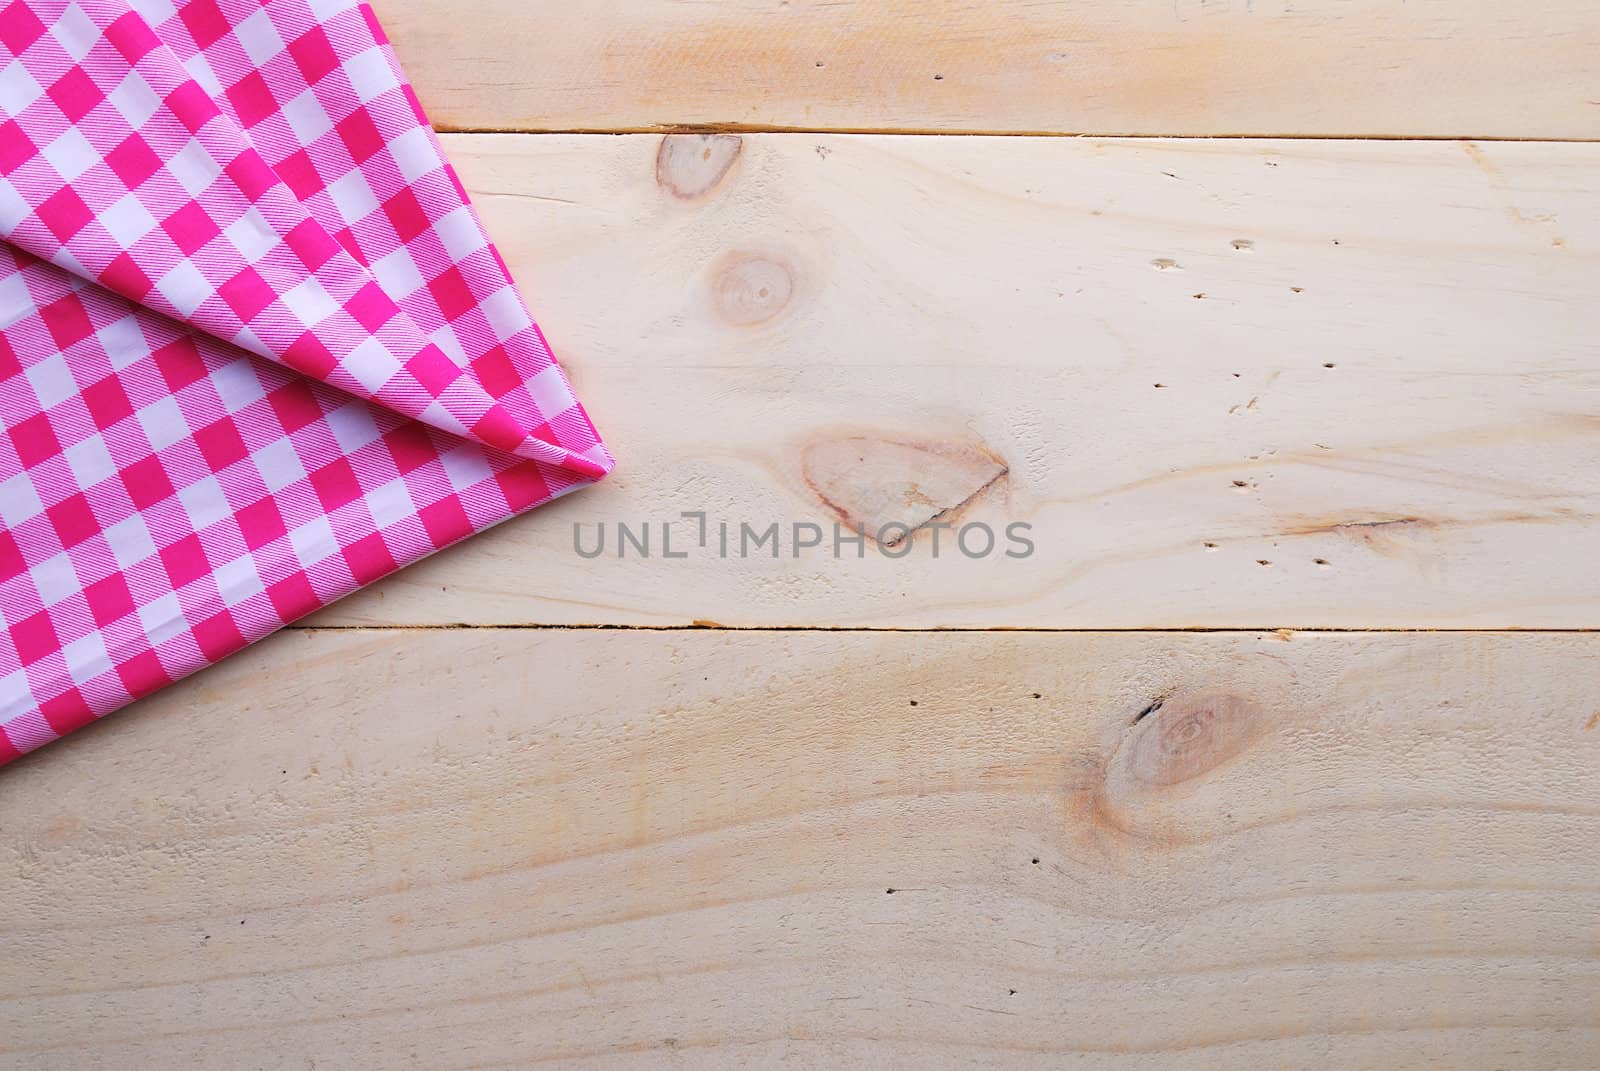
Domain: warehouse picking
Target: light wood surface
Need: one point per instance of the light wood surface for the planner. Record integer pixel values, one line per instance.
(1383, 411)
(624, 848)
(1232, 384)
(1332, 68)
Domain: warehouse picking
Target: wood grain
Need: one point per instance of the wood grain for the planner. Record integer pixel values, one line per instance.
(1227, 383)
(1434, 68)
(624, 848)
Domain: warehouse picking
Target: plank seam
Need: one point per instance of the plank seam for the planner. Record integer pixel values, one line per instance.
(743, 128)
(1285, 630)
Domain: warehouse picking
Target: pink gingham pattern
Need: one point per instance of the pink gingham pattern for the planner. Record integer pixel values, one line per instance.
(255, 348)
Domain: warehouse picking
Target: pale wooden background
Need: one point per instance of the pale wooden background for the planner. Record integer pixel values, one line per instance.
(1282, 751)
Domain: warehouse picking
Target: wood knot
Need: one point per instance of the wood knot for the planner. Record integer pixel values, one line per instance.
(692, 165)
(1185, 736)
(871, 482)
(752, 290)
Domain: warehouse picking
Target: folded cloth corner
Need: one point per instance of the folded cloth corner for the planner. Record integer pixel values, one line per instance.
(256, 350)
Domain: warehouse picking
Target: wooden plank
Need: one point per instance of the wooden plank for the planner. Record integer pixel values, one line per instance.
(1462, 68)
(1227, 383)
(625, 848)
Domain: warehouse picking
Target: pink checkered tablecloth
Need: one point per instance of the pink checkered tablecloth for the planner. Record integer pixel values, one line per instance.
(255, 348)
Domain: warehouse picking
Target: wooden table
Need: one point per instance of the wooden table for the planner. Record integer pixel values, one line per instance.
(1281, 748)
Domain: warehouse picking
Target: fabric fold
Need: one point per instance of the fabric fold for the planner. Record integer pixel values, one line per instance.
(183, 214)
(256, 350)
